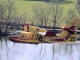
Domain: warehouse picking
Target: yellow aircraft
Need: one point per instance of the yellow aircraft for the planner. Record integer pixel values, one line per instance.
(36, 35)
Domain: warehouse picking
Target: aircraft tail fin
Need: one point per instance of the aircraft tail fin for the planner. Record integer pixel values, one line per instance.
(69, 31)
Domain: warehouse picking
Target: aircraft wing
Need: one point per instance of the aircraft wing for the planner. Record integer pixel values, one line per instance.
(77, 30)
(42, 33)
(55, 29)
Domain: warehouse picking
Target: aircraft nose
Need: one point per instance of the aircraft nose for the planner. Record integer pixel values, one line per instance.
(12, 37)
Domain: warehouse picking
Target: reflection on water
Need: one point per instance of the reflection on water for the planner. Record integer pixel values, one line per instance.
(57, 51)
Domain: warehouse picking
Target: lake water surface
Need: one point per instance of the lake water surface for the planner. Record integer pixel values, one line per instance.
(20, 51)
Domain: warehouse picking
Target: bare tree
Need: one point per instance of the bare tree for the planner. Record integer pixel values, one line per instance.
(42, 13)
(78, 8)
(22, 17)
(71, 14)
(3, 9)
(10, 13)
(57, 13)
(38, 13)
(7, 12)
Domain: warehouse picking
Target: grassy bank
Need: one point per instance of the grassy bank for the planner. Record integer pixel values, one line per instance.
(25, 7)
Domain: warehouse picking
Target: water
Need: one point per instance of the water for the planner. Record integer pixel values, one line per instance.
(57, 51)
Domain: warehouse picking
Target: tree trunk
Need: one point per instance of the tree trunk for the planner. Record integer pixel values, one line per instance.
(54, 24)
(45, 24)
(6, 28)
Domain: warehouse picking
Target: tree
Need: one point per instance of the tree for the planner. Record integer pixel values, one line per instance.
(10, 13)
(3, 9)
(7, 12)
(42, 13)
(57, 13)
(78, 8)
(22, 17)
(71, 15)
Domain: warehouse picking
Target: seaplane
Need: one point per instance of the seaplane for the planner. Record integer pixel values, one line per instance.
(36, 35)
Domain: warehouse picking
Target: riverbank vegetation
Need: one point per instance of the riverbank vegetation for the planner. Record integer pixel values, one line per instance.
(54, 13)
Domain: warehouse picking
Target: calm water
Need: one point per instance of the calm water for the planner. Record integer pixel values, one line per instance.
(57, 51)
